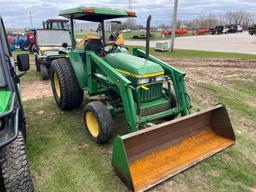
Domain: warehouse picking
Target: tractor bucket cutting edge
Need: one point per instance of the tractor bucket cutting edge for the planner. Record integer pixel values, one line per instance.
(147, 157)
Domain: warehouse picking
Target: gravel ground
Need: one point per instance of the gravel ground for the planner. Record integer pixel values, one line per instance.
(235, 43)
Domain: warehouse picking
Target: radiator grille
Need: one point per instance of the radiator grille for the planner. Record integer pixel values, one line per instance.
(154, 91)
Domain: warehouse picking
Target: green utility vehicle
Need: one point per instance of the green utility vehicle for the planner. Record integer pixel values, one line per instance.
(13, 160)
(148, 91)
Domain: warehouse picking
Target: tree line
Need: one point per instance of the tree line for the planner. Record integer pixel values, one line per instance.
(243, 18)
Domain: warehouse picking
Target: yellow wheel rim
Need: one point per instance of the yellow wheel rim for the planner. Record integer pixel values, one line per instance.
(92, 124)
(57, 84)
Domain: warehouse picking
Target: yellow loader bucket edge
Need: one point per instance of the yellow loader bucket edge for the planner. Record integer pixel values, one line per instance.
(147, 157)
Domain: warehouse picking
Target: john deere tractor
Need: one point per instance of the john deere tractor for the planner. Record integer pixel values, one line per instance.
(13, 160)
(149, 92)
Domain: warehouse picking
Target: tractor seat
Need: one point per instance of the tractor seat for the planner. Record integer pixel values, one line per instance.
(92, 45)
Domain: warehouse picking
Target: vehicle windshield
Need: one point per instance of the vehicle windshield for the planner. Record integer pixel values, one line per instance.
(56, 25)
(53, 38)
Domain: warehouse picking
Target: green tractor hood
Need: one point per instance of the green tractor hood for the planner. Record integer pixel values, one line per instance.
(5, 97)
(133, 66)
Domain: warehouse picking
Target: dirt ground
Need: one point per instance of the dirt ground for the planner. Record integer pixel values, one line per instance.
(38, 89)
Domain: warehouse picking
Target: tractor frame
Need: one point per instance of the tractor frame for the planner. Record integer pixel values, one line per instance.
(89, 69)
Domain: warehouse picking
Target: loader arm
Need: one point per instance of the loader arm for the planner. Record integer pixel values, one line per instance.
(123, 84)
(177, 77)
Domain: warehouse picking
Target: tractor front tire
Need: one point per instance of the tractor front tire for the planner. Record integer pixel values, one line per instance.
(98, 122)
(44, 72)
(67, 93)
(15, 168)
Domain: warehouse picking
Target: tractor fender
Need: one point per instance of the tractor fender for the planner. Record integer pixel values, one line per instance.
(79, 68)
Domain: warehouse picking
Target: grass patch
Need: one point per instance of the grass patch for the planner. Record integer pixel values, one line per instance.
(232, 99)
(230, 171)
(182, 53)
(245, 87)
(32, 75)
(62, 157)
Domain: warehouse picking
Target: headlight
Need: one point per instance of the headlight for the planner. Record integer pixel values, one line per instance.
(160, 78)
(143, 81)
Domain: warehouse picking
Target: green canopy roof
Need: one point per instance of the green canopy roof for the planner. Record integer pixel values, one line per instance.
(95, 14)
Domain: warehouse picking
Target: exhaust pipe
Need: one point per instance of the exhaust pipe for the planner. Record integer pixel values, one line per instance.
(148, 37)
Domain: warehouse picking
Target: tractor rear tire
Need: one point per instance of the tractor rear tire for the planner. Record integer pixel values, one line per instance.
(98, 122)
(44, 72)
(67, 93)
(15, 168)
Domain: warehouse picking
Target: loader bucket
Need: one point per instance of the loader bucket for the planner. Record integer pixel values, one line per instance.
(147, 157)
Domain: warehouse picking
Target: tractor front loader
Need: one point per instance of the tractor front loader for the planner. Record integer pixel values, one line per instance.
(147, 91)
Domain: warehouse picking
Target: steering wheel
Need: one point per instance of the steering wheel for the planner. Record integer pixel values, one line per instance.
(103, 50)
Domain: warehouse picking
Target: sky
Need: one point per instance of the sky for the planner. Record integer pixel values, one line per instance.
(16, 12)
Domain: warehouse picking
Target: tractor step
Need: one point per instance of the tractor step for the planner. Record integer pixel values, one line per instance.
(147, 157)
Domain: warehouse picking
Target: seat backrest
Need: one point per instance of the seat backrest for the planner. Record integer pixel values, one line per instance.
(92, 45)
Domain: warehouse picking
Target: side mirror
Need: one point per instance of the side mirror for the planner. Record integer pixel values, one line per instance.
(23, 62)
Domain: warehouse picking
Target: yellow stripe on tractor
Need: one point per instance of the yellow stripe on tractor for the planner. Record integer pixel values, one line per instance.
(140, 76)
